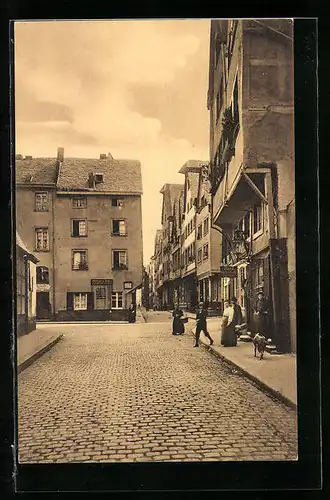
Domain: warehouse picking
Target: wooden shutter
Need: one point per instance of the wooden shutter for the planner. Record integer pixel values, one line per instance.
(90, 300)
(69, 301)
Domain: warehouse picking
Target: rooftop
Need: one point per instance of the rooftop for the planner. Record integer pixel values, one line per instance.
(36, 171)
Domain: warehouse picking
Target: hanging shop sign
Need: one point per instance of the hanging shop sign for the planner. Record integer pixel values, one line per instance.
(101, 282)
(228, 272)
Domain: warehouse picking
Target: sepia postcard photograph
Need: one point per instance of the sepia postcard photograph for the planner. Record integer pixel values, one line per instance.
(155, 241)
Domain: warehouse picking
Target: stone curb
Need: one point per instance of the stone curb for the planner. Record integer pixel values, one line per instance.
(276, 394)
(38, 354)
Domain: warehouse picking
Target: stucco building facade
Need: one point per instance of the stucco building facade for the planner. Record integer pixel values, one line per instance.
(88, 233)
(251, 106)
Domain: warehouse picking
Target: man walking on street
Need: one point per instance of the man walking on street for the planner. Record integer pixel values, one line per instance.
(201, 324)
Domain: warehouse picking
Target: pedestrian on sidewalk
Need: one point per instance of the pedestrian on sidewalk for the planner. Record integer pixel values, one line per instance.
(201, 325)
(261, 315)
(132, 313)
(177, 325)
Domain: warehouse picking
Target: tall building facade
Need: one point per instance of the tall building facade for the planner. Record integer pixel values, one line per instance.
(83, 219)
(251, 106)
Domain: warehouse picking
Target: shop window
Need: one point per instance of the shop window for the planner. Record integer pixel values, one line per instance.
(79, 202)
(42, 239)
(117, 300)
(119, 227)
(79, 260)
(80, 301)
(119, 259)
(42, 275)
(41, 202)
(79, 228)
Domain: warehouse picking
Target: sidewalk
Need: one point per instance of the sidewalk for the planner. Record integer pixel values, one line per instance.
(33, 345)
(275, 373)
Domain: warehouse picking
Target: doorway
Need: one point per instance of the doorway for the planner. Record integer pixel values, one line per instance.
(43, 305)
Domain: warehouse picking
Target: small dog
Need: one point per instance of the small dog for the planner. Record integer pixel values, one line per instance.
(259, 344)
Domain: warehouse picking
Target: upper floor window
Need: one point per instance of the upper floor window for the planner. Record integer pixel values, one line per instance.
(42, 239)
(205, 252)
(199, 255)
(79, 227)
(118, 227)
(206, 226)
(79, 202)
(257, 218)
(42, 275)
(219, 100)
(41, 202)
(247, 222)
(199, 232)
(235, 108)
(79, 260)
(119, 259)
(116, 202)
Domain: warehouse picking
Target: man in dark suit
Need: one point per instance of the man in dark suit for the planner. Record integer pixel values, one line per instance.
(201, 325)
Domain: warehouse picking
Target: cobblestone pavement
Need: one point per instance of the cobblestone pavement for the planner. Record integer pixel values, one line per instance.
(136, 393)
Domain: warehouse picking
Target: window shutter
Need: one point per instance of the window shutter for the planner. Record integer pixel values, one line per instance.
(69, 301)
(90, 300)
(75, 228)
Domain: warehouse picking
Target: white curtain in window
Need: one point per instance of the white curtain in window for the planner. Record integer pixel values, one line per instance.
(122, 227)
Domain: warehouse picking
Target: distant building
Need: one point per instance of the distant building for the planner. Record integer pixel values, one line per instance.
(251, 106)
(83, 217)
(25, 288)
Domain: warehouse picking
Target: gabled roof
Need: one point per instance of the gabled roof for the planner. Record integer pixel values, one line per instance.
(22, 246)
(170, 193)
(192, 165)
(120, 176)
(36, 171)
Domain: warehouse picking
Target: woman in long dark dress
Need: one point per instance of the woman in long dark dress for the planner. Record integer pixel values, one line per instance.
(178, 325)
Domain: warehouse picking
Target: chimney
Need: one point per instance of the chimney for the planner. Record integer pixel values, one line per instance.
(28, 157)
(19, 157)
(103, 157)
(60, 154)
(110, 157)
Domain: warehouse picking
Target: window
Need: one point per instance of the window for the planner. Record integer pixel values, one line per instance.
(205, 252)
(79, 227)
(117, 300)
(42, 275)
(98, 178)
(119, 227)
(199, 255)
(128, 285)
(41, 202)
(80, 202)
(21, 285)
(80, 301)
(247, 228)
(257, 218)
(42, 239)
(100, 292)
(219, 100)
(206, 226)
(199, 232)
(79, 260)
(119, 259)
(115, 202)
(235, 109)
(259, 274)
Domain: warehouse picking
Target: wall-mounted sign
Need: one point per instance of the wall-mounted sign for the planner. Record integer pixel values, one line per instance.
(43, 287)
(101, 282)
(128, 285)
(228, 272)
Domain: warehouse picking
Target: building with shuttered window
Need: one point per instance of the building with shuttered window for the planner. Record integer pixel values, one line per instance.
(83, 217)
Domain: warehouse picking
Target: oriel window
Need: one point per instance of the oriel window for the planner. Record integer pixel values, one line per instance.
(257, 218)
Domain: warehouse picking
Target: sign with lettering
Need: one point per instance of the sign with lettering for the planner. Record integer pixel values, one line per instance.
(101, 282)
(128, 285)
(228, 272)
(43, 287)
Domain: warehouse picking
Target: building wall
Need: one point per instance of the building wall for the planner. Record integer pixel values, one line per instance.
(27, 219)
(99, 244)
(291, 232)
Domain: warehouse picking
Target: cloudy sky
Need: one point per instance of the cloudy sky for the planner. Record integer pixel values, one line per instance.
(136, 89)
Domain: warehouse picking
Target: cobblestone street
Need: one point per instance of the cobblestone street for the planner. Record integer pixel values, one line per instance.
(136, 393)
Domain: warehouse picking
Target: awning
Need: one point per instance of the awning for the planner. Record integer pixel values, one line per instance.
(131, 290)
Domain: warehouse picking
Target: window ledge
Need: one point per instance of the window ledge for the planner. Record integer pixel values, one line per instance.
(41, 250)
(257, 234)
(80, 269)
(79, 235)
(117, 234)
(123, 268)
